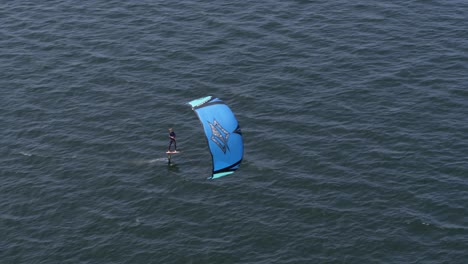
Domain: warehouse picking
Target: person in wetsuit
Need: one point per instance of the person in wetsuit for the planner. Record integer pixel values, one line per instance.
(172, 139)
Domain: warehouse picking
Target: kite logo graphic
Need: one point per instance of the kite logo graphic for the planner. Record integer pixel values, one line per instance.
(219, 135)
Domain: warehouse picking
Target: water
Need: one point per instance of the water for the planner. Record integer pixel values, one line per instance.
(354, 116)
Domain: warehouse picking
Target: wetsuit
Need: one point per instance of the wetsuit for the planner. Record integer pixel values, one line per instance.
(172, 137)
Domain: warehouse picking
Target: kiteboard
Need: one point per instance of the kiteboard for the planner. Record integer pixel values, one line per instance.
(169, 153)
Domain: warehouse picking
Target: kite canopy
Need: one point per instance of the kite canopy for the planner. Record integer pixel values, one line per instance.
(222, 132)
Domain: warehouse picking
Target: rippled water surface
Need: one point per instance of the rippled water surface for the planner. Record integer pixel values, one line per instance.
(354, 113)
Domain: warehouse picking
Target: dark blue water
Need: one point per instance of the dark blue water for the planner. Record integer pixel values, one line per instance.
(355, 118)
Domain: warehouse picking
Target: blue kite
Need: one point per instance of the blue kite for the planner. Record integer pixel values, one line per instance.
(223, 134)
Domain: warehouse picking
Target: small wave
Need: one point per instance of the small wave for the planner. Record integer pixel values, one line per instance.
(150, 161)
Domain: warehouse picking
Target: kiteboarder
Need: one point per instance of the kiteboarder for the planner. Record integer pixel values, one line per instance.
(172, 139)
